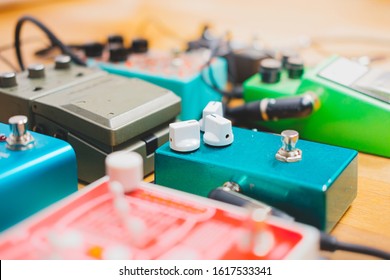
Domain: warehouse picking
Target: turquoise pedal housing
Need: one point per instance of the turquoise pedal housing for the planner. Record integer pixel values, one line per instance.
(316, 190)
(187, 81)
(32, 179)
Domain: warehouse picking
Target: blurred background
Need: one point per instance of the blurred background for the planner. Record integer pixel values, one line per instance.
(353, 28)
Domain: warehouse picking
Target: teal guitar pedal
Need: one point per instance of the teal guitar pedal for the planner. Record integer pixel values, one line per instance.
(185, 74)
(35, 171)
(315, 183)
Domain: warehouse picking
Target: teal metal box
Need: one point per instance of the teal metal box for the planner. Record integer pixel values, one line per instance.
(33, 179)
(316, 190)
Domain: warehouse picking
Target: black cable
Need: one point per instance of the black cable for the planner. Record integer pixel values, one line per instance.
(327, 242)
(235, 93)
(53, 39)
(272, 109)
(225, 194)
(331, 244)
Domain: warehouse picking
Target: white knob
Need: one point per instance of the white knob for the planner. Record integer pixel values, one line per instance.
(184, 136)
(213, 107)
(218, 131)
(125, 168)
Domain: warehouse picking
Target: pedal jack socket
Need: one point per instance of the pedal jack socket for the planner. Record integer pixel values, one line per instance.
(288, 152)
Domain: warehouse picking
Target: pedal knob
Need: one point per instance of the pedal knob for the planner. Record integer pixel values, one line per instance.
(62, 62)
(270, 70)
(93, 50)
(118, 54)
(286, 55)
(36, 71)
(20, 139)
(184, 136)
(125, 168)
(139, 45)
(288, 152)
(115, 39)
(217, 131)
(8, 79)
(294, 67)
(213, 107)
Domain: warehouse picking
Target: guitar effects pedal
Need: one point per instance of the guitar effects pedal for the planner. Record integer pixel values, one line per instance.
(312, 182)
(35, 171)
(122, 217)
(354, 102)
(96, 112)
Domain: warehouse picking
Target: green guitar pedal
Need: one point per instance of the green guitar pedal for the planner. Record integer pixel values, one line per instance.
(354, 105)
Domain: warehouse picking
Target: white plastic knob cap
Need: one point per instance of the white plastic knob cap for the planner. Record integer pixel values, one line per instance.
(213, 107)
(218, 131)
(125, 168)
(184, 136)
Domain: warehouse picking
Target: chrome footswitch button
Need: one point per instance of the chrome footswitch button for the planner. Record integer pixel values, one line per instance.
(288, 152)
(19, 139)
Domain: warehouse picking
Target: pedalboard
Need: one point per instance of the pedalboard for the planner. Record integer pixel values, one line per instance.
(121, 217)
(314, 183)
(354, 103)
(96, 112)
(35, 171)
(188, 74)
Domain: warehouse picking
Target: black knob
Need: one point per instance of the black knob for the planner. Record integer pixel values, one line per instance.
(62, 62)
(8, 79)
(93, 49)
(285, 55)
(139, 45)
(295, 67)
(270, 70)
(118, 54)
(116, 40)
(36, 71)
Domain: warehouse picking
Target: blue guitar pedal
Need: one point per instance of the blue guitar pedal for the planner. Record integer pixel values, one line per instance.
(35, 171)
(315, 183)
(184, 73)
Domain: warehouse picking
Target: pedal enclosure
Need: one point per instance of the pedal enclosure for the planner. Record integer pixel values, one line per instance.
(96, 112)
(33, 179)
(346, 116)
(316, 190)
(175, 226)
